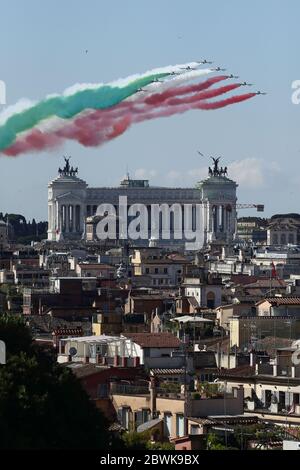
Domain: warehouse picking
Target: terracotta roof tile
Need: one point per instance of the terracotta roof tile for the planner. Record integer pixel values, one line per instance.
(283, 300)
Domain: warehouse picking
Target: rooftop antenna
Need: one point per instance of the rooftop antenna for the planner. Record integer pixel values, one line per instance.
(127, 172)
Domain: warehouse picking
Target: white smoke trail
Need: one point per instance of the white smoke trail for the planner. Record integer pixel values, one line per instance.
(18, 107)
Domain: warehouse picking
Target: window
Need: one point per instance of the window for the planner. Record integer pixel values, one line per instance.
(210, 300)
(179, 425)
(266, 397)
(291, 238)
(142, 416)
(166, 270)
(123, 416)
(138, 418)
(167, 424)
(195, 429)
(296, 398)
(156, 270)
(147, 270)
(145, 415)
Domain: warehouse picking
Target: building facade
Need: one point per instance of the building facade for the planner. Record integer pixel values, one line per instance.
(71, 202)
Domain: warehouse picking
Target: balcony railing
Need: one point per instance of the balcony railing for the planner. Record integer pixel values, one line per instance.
(124, 389)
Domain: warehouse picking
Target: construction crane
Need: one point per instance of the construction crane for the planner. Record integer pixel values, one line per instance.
(258, 207)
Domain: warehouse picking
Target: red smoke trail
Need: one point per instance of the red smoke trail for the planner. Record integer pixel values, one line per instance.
(158, 98)
(117, 129)
(203, 95)
(34, 141)
(96, 133)
(224, 103)
(182, 108)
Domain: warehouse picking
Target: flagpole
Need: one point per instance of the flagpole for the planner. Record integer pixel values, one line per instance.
(271, 271)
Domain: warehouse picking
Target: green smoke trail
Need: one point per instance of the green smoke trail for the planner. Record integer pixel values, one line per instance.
(66, 107)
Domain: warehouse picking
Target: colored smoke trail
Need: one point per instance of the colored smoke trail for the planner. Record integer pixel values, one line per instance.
(158, 98)
(204, 105)
(224, 103)
(95, 132)
(66, 107)
(25, 115)
(203, 95)
(95, 114)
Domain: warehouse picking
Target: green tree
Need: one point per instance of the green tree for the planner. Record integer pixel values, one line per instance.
(142, 441)
(136, 440)
(215, 442)
(42, 404)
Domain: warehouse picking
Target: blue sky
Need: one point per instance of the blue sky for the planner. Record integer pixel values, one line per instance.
(42, 51)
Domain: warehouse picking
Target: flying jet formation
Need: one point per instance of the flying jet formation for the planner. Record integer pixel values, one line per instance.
(233, 76)
(205, 62)
(219, 69)
(188, 68)
(246, 84)
(141, 89)
(260, 93)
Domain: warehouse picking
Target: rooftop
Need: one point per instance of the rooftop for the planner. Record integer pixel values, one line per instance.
(85, 370)
(191, 319)
(93, 339)
(166, 371)
(154, 340)
(266, 283)
(277, 301)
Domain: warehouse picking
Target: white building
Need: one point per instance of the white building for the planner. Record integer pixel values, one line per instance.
(71, 201)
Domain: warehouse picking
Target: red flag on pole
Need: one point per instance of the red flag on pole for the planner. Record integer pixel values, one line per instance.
(274, 272)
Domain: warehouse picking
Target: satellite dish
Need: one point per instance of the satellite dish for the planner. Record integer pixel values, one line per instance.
(72, 351)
